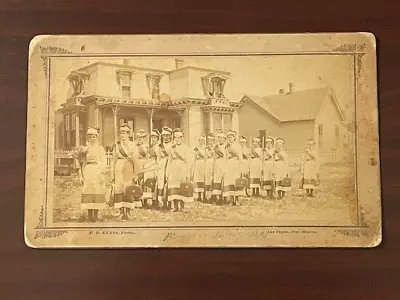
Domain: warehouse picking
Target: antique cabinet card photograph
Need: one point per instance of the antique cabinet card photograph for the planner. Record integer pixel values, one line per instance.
(203, 140)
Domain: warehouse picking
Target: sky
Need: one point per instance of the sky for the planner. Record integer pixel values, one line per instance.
(250, 75)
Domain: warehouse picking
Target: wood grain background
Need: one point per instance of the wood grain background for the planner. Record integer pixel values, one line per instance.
(193, 274)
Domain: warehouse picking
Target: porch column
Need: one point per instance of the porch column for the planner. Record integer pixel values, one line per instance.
(235, 121)
(115, 112)
(96, 116)
(211, 122)
(77, 129)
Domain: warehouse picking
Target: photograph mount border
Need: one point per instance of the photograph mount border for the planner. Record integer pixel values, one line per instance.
(42, 223)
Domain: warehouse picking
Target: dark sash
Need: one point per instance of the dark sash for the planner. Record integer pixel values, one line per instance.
(209, 152)
(152, 152)
(267, 156)
(141, 151)
(232, 153)
(218, 152)
(123, 153)
(163, 150)
(200, 155)
(121, 150)
(254, 153)
(174, 149)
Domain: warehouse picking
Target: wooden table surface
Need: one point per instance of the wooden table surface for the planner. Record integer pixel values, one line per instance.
(193, 274)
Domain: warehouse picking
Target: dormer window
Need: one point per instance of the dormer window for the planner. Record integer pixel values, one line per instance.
(78, 82)
(213, 85)
(153, 83)
(125, 82)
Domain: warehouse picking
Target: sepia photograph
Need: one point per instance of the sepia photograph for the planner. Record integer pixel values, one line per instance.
(146, 141)
(204, 139)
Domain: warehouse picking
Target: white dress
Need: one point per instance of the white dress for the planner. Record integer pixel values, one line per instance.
(179, 169)
(281, 169)
(94, 188)
(310, 169)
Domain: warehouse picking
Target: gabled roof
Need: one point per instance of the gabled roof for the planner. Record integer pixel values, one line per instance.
(295, 106)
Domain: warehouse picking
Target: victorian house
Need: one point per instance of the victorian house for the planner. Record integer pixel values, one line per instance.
(107, 94)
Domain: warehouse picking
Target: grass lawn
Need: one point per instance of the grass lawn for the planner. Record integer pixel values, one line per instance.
(334, 202)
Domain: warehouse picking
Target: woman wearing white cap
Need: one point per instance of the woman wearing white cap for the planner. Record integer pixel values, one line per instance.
(179, 170)
(142, 156)
(268, 165)
(92, 175)
(232, 169)
(209, 167)
(281, 168)
(199, 167)
(245, 162)
(151, 166)
(310, 168)
(255, 166)
(219, 168)
(125, 168)
(163, 155)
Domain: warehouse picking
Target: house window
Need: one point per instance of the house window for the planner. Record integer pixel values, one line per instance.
(78, 82)
(217, 87)
(213, 85)
(158, 124)
(125, 83)
(206, 123)
(217, 121)
(131, 124)
(153, 82)
(222, 121)
(262, 134)
(320, 135)
(337, 134)
(176, 123)
(82, 128)
(70, 130)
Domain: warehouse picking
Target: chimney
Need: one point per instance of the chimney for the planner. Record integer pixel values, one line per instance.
(291, 88)
(178, 63)
(281, 91)
(126, 61)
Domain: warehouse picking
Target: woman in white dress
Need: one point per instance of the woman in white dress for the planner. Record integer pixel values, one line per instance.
(209, 167)
(310, 168)
(245, 161)
(232, 168)
(281, 168)
(162, 164)
(219, 168)
(141, 148)
(268, 166)
(92, 175)
(199, 168)
(125, 168)
(150, 180)
(179, 170)
(255, 166)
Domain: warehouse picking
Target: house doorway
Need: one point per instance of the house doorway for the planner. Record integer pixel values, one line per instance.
(158, 124)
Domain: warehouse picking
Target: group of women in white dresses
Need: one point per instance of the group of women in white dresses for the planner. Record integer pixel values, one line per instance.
(221, 168)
